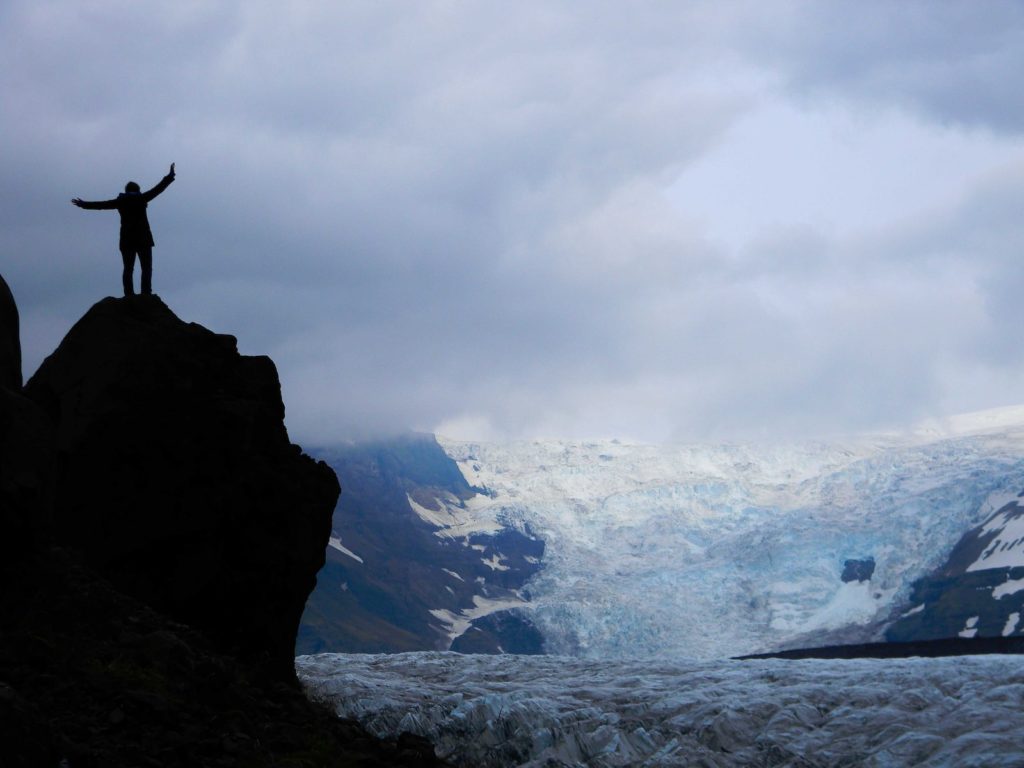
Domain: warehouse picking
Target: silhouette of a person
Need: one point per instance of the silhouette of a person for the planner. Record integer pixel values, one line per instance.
(136, 237)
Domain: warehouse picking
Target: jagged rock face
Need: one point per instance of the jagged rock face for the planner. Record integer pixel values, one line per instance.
(10, 341)
(25, 438)
(176, 479)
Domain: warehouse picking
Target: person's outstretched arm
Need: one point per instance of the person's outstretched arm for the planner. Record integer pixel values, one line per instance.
(164, 183)
(102, 205)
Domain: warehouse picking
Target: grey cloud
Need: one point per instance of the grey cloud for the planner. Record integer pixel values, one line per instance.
(434, 211)
(956, 62)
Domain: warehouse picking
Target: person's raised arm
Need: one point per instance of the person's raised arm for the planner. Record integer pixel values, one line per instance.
(164, 183)
(101, 205)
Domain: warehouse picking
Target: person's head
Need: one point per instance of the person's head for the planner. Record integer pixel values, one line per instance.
(132, 188)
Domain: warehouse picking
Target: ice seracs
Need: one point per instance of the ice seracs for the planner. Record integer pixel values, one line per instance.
(708, 551)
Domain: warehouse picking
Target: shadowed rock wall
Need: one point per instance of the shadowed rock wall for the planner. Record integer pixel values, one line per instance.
(164, 455)
(25, 448)
(10, 340)
(175, 477)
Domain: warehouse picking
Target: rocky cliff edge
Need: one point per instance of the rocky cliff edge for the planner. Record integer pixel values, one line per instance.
(175, 478)
(159, 536)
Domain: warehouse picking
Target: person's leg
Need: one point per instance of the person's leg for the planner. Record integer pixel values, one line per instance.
(128, 257)
(146, 264)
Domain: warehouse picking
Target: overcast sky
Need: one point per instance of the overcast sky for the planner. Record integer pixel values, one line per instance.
(647, 220)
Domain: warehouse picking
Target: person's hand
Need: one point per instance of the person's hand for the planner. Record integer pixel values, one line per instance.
(78, 201)
(171, 174)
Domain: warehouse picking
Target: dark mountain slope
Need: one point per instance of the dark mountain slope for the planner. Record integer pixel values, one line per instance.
(390, 572)
(978, 592)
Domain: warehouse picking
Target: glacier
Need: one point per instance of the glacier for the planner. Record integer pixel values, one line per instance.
(532, 711)
(711, 551)
(659, 562)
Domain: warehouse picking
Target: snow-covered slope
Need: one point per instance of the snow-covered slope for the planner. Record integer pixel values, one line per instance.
(978, 591)
(709, 551)
(1002, 540)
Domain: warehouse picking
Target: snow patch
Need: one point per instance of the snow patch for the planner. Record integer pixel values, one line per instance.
(453, 574)
(912, 611)
(1011, 623)
(1006, 550)
(335, 541)
(1008, 587)
(458, 519)
(970, 628)
(495, 563)
(1000, 499)
(457, 623)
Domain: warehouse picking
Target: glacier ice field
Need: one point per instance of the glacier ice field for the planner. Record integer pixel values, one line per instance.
(556, 711)
(715, 551)
(660, 562)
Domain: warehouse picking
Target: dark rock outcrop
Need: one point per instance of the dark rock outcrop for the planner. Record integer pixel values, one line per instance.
(10, 340)
(947, 646)
(858, 570)
(91, 678)
(151, 452)
(175, 477)
(25, 448)
(977, 592)
(951, 605)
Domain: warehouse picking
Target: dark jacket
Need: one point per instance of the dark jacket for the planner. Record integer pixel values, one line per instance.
(135, 232)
